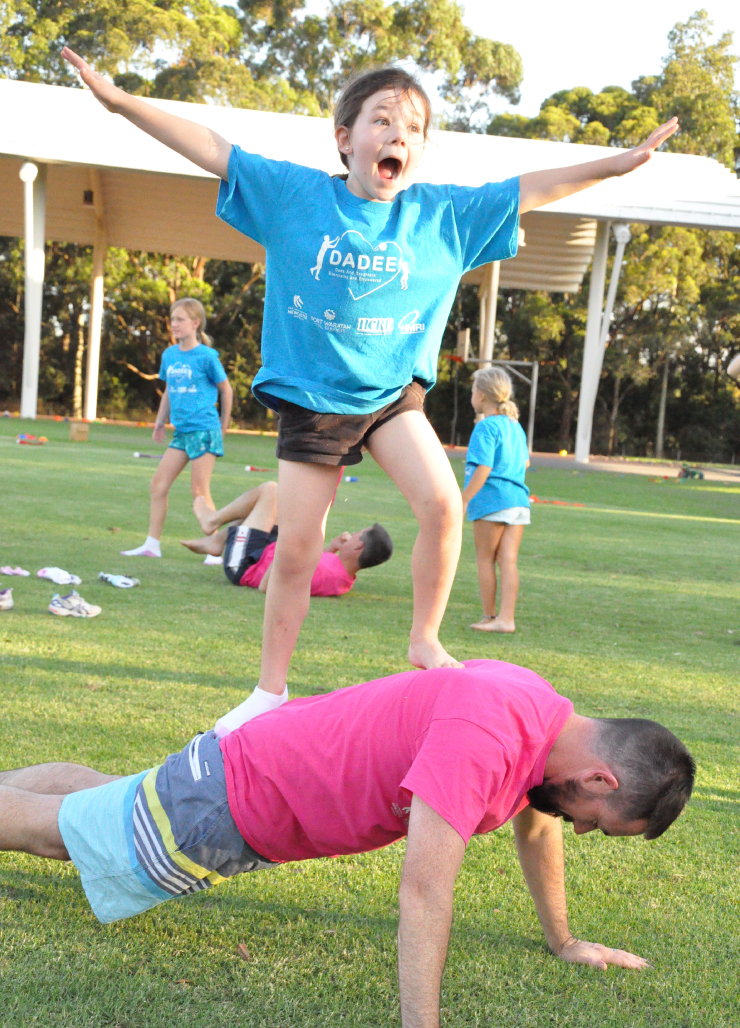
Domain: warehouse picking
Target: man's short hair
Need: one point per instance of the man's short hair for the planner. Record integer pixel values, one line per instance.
(377, 547)
(654, 769)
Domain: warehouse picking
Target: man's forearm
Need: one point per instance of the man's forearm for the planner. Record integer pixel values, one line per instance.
(539, 843)
(423, 937)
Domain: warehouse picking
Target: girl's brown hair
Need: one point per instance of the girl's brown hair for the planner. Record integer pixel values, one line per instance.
(196, 312)
(497, 387)
(358, 89)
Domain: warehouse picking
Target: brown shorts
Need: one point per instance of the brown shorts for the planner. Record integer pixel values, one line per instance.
(304, 435)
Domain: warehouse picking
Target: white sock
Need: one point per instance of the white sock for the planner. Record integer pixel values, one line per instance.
(260, 702)
(151, 545)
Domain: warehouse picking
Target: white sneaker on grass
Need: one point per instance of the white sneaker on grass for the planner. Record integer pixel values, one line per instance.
(6, 599)
(73, 606)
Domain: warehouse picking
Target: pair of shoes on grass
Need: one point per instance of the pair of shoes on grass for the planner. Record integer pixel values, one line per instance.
(72, 605)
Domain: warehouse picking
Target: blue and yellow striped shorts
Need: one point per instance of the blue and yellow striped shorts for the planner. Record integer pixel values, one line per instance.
(162, 833)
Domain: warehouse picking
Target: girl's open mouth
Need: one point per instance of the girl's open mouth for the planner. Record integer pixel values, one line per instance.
(389, 168)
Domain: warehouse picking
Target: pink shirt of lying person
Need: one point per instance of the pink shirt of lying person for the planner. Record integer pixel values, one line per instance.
(330, 578)
(335, 774)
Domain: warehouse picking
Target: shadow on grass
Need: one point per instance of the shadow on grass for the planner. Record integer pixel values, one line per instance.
(57, 665)
(726, 800)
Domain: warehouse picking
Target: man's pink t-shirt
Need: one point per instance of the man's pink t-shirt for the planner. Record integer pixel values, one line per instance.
(330, 578)
(335, 774)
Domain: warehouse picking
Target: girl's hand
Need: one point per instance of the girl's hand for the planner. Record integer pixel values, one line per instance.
(110, 96)
(159, 435)
(642, 153)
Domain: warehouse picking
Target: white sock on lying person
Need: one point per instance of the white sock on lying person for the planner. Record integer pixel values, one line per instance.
(260, 702)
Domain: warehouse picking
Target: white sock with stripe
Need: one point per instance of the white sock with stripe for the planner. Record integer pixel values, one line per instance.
(260, 702)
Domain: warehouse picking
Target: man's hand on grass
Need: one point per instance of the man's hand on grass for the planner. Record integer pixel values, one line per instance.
(578, 951)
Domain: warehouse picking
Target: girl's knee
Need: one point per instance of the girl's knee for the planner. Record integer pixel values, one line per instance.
(158, 490)
(443, 512)
(296, 558)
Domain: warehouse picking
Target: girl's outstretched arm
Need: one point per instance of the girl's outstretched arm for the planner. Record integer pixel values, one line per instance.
(199, 144)
(537, 188)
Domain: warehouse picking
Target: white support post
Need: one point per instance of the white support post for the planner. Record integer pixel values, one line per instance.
(593, 353)
(489, 291)
(33, 177)
(97, 287)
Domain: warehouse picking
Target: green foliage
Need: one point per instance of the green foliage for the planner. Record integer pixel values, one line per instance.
(318, 54)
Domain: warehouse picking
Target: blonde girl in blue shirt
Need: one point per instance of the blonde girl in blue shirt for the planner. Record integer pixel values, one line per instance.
(194, 379)
(361, 274)
(495, 496)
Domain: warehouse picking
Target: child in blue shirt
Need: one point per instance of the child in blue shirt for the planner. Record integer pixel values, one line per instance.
(495, 496)
(195, 378)
(361, 273)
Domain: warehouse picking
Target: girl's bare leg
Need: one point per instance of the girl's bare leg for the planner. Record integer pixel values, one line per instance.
(408, 450)
(304, 497)
(201, 470)
(506, 558)
(487, 535)
(507, 554)
(169, 468)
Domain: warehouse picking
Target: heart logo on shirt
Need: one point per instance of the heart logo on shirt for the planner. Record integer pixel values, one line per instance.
(365, 267)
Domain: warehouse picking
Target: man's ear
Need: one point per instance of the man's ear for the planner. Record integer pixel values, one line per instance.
(598, 781)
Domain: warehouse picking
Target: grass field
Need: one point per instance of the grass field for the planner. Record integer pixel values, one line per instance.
(627, 613)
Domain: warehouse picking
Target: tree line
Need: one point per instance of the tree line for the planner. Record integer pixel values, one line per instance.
(677, 316)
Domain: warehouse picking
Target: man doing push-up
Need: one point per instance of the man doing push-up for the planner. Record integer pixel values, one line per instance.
(436, 756)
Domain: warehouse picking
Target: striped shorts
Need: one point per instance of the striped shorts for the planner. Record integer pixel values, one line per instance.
(162, 833)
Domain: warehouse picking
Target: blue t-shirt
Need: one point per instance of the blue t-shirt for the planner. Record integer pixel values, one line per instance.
(500, 444)
(358, 292)
(192, 377)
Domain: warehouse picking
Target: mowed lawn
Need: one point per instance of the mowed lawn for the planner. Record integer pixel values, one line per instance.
(629, 614)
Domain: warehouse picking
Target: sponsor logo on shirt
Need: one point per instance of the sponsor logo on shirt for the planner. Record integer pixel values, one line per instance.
(375, 326)
(408, 325)
(329, 315)
(331, 326)
(179, 371)
(297, 302)
(297, 313)
(365, 268)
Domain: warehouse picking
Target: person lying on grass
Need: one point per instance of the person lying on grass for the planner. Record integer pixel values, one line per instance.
(248, 544)
(434, 756)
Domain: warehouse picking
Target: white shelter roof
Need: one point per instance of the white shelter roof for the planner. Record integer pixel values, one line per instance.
(153, 199)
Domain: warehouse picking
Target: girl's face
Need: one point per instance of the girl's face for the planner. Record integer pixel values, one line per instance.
(477, 400)
(384, 146)
(182, 325)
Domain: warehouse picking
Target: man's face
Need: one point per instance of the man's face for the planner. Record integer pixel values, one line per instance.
(350, 544)
(585, 808)
(384, 146)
